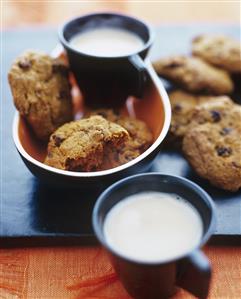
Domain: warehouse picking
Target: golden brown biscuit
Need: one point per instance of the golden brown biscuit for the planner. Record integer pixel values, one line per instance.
(140, 138)
(212, 143)
(80, 145)
(194, 75)
(222, 51)
(41, 92)
(183, 105)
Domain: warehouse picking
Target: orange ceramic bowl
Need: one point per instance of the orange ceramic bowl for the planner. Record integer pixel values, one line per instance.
(154, 109)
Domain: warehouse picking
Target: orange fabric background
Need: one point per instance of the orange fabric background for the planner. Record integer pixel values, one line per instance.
(85, 272)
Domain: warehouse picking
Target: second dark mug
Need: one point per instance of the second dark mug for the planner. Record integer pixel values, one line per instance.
(107, 81)
(156, 280)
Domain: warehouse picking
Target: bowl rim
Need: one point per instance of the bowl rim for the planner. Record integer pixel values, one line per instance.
(167, 120)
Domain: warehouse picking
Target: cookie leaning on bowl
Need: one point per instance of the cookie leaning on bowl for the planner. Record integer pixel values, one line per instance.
(194, 75)
(80, 145)
(183, 105)
(41, 92)
(219, 50)
(212, 143)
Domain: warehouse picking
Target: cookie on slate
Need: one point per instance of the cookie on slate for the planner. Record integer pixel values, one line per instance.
(41, 92)
(194, 75)
(80, 145)
(222, 51)
(140, 138)
(183, 105)
(212, 143)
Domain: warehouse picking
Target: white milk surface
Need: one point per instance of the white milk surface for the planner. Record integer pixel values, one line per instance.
(107, 42)
(153, 226)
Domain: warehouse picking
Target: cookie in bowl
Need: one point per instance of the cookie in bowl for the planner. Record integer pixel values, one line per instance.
(34, 152)
(140, 138)
(41, 92)
(80, 145)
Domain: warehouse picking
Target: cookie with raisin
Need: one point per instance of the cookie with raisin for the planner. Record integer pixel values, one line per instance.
(183, 105)
(140, 138)
(212, 144)
(80, 145)
(219, 50)
(41, 92)
(194, 75)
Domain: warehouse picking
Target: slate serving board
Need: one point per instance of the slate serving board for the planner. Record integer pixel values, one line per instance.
(34, 214)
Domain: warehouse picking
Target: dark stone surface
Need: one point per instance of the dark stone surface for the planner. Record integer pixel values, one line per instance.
(35, 214)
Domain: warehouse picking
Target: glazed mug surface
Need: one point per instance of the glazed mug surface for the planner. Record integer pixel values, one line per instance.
(159, 279)
(107, 81)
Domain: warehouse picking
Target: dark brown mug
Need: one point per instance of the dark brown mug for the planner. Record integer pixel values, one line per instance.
(155, 280)
(107, 81)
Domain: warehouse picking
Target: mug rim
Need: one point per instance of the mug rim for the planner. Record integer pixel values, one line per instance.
(191, 185)
(68, 46)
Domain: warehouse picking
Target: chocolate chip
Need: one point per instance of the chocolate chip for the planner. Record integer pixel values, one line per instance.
(223, 151)
(24, 64)
(62, 95)
(225, 131)
(69, 163)
(60, 68)
(116, 112)
(173, 65)
(103, 114)
(177, 108)
(216, 116)
(57, 140)
(204, 90)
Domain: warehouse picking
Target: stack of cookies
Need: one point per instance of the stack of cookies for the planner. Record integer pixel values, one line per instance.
(206, 123)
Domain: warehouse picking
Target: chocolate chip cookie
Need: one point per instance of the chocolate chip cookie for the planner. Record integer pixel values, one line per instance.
(41, 92)
(222, 51)
(140, 138)
(183, 105)
(81, 145)
(212, 143)
(194, 75)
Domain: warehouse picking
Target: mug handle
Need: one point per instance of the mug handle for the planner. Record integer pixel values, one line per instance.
(194, 274)
(140, 66)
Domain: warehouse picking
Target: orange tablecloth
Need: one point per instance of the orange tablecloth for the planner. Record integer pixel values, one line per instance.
(85, 272)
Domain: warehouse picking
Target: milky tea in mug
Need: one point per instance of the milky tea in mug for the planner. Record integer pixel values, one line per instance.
(106, 54)
(153, 226)
(107, 42)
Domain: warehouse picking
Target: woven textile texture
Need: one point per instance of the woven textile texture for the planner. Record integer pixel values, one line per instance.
(85, 272)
